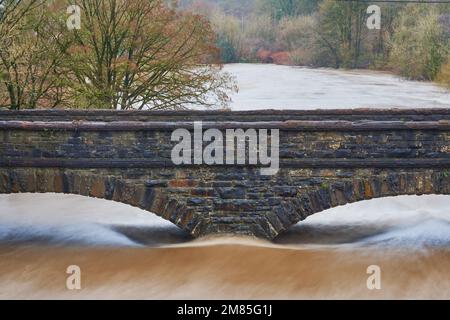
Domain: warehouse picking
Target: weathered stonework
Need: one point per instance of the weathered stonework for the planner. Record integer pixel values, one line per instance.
(327, 159)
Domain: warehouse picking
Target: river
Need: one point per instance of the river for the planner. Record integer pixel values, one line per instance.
(124, 252)
(283, 87)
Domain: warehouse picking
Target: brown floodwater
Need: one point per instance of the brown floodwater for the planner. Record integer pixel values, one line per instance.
(215, 271)
(126, 253)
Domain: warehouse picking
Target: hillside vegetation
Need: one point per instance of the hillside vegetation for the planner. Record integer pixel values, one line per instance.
(413, 41)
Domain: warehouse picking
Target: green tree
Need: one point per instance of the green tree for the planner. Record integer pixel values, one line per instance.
(340, 33)
(229, 36)
(297, 36)
(288, 8)
(419, 45)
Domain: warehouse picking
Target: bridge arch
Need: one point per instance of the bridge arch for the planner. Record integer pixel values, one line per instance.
(154, 196)
(146, 196)
(339, 193)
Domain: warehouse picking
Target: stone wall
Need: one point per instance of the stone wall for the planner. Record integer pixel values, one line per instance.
(327, 159)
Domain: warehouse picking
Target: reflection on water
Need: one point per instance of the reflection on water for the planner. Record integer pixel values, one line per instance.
(125, 252)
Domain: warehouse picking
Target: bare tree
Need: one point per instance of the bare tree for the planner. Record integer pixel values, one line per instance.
(12, 12)
(29, 60)
(127, 55)
(139, 54)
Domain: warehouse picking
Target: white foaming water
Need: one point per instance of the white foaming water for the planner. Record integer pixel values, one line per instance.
(426, 234)
(402, 222)
(406, 221)
(70, 234)
(70, 219)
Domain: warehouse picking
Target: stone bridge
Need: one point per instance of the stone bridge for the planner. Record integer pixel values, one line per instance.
(328, 158)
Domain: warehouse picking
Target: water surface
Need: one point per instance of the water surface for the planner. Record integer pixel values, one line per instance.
(284, 87)
(125, 252)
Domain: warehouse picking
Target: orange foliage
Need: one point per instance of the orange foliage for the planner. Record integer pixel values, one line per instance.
(277, 57)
